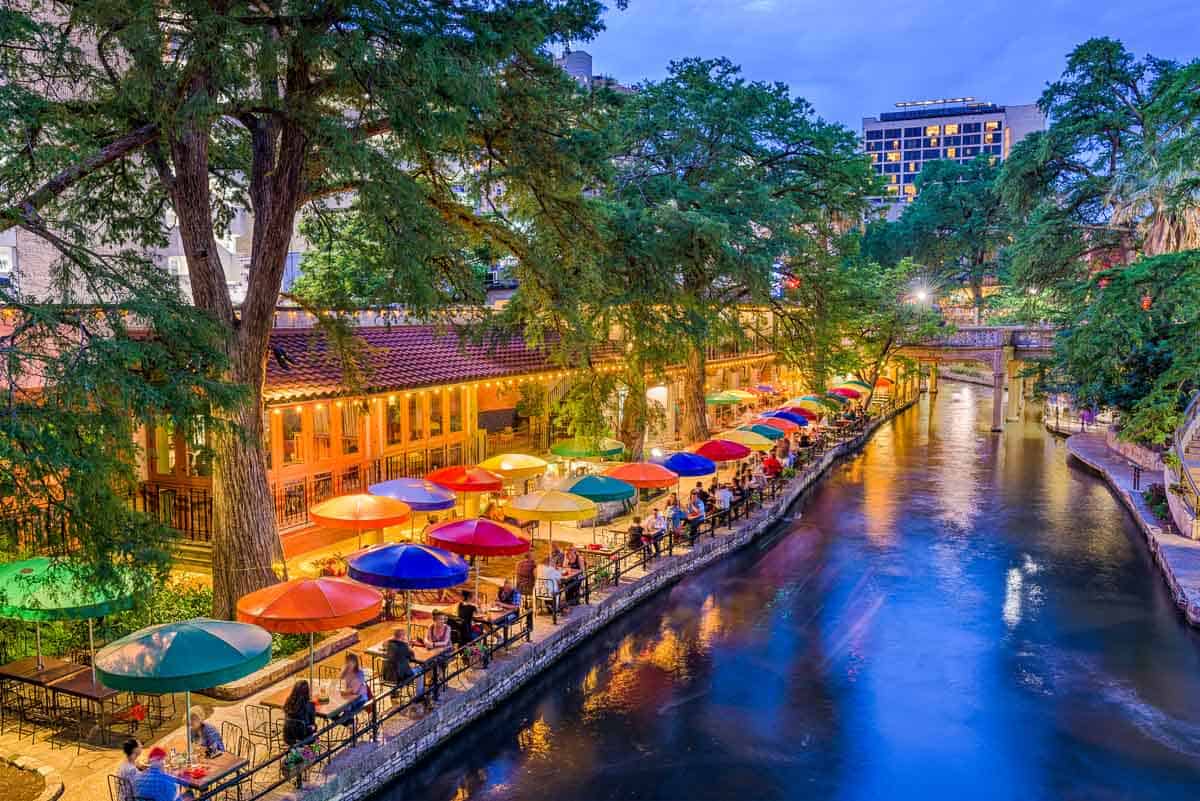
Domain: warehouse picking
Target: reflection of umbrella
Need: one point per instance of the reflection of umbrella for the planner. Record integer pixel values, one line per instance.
(551, 505)
(478, 537)
(188, 655)
(845, 392)
(466, 479)
(407, 566)
(755, 442)
(598, 489)
(763, 430)
(42, 589)
(515, 466)
(360, 512)
(644, 475)
(309, 605)
(721, 399)
(688, 465)
(588, 448)
(722, 450)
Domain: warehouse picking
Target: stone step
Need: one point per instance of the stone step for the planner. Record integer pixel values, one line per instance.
(193, 555)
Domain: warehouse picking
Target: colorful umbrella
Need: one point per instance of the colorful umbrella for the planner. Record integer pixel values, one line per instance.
(598, 489)
(551, 505)
(766, 389)
(741, 394)
(802, 412)
(465, 478)
(763, 430)
(883, 382)
(40, 589)
(360, 512)
(688, 465)
(515, 466)
(478, 537)
(755, 442)
(309, 605)
(721, 399)
(810, 403)
(588, 448)
(408, 566)
(845, 392)
(722, 450)
(644, 475)
(834, 402)
(795, 418)
(187, 655)
(779, 424)
(420, 494)
(854, 383)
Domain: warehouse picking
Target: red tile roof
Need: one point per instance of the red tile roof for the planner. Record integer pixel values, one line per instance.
(396, 357)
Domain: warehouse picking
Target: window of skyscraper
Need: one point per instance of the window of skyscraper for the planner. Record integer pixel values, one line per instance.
(951, 128)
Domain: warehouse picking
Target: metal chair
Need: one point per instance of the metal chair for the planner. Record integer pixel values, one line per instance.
(231, 733)
(119, 789)
(259, 726)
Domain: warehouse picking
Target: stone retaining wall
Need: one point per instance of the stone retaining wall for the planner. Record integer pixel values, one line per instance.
(966, 378)
(356, 781)
(1138, 454)
(53, 779)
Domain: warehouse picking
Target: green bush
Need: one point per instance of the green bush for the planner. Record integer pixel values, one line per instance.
(1156, 498)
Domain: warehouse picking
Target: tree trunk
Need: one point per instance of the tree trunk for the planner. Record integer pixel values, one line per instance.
(633, 420)
(694, 425)
(246, 543)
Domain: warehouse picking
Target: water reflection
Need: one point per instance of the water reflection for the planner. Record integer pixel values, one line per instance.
(955, 615)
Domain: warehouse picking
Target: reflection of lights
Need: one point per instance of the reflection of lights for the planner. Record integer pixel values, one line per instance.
(535, 740)
(1012, 597)
(656, 453)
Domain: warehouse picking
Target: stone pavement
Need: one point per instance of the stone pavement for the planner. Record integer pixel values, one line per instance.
(1178, 558)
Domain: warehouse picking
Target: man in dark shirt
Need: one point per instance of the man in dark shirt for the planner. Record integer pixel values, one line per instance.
(466, 617)
(703, 493)
(526, 570)
(398, 667)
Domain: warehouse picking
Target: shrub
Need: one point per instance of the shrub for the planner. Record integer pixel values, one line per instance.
(1155, 497)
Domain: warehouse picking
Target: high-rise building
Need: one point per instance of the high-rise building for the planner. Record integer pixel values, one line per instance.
(578, 64)
(900, 142)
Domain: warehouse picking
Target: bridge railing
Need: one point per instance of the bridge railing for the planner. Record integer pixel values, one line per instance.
(1190, 496)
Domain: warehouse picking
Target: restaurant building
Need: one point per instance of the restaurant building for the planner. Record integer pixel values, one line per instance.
(426, 399)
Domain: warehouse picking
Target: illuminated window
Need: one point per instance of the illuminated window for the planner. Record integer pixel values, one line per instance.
(896, 144)
(951, 128)
(894, 178)
(893, 189)
(875, 157)
(198, 456)
(395, 422)
(416, 420)
(951, 152)
(893, 156)
(989, 138)
(164, 446)
(321, 444)
(454, 400)
(910, 189)
(992, 160)
(933, 141)
(350, 427)
(435, 415)
(293, 433)
(912, 166)
(932, 130)
(991, 125)
(266, 423)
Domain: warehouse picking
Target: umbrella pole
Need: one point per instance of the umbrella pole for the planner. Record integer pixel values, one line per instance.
(92, 650)
(408, 612)
(310, 659)
(187, 722)
(37, 633)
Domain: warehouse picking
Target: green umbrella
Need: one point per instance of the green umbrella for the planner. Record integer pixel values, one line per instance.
(42, 589)
(588, 448)
(854, 383)
(770, 432)
(188, 655)
(721, 399)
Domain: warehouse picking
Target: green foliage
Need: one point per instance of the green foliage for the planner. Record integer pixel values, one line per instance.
(1156, 498)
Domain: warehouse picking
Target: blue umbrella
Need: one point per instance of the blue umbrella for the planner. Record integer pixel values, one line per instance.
(688, 465)
(407, 566)
(421, 495)
(599, 489)
(798, 419)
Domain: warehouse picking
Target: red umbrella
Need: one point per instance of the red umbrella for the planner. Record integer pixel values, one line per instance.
(722, 450)
(478, 537)
(808, 414)
(786, 426)
(360, 512)
(466, 478)
(643, 475)
(308, 605)
(845, 392)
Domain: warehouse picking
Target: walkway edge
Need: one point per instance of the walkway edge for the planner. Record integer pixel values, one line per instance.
(377, 766)
(1177, 558)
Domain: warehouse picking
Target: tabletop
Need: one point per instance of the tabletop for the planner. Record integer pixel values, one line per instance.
(215, 768)
(26, 670)
(83, 685)
(333, 705)
(421, 654)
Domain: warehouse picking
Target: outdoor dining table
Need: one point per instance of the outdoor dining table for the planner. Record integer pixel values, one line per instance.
(84, 686)
(333, 705)
(204, 771)
(26, 670)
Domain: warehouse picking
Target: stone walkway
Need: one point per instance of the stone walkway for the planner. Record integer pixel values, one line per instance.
(1178, 558)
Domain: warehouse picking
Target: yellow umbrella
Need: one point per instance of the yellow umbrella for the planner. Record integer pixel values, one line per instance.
(515, 466)
(551, 505)
(805, 403)
(741, 394)
(755, 442)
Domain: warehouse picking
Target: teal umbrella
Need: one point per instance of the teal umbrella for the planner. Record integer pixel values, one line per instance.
(188, 655)
(42, 589)
(599, 489)
(769, 432)
(587, 447)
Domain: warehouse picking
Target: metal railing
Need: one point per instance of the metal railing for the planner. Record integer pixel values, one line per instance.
(282, 768)
(1183, 436)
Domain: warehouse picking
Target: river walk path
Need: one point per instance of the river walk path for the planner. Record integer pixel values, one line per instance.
(1177, 557)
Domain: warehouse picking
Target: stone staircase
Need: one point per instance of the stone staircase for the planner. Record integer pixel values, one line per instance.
(1191, 454)
(193, 556)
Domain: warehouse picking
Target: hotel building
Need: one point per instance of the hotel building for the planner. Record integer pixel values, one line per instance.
(899, 143)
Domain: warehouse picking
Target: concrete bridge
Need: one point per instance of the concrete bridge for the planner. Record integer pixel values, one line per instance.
(1005, 349)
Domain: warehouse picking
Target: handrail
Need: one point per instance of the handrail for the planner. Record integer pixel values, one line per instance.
(1182, 433)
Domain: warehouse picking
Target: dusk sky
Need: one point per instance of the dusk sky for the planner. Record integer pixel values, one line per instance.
(852, 58)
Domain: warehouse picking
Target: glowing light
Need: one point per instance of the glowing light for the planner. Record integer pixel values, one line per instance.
(922, 295)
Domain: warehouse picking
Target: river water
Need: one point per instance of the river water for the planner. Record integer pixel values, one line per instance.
(951, 615)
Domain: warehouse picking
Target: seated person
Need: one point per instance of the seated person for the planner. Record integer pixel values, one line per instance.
(466, 618)
(299, 715)
(550, 576)
(507, 596)
(154, 783)
(352, 683)
(128, 769)
(724, 497)
(573, 558)
(556, 557)
(771, 466)
(397, 666)
(439, 633)
(526, 571)
(204, 734)
(635, 533)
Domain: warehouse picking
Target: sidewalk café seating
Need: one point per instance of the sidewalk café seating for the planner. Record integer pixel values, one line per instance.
(542, 594)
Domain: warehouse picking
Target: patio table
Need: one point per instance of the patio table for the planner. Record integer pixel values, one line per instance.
(84, 686)
(26, 670)
(215, 768)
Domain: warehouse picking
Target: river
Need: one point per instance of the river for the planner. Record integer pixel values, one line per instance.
(951, 615)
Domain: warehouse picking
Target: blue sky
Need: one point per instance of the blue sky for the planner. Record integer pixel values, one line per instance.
(852, 58)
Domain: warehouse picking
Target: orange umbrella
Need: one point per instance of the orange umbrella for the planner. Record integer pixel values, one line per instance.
(466, 478)
(360, 512)
(643, 475)
(308, 605)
